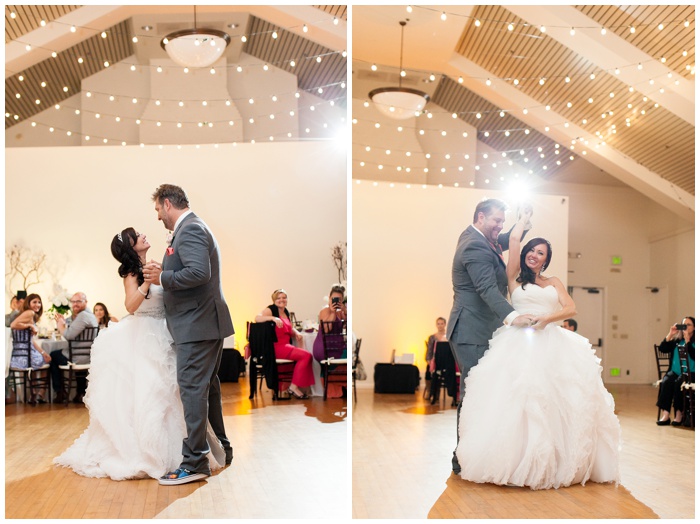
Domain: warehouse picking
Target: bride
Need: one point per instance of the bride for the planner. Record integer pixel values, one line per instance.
(535, 411)
(136, 422)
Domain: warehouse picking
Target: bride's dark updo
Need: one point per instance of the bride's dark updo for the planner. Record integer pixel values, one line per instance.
(123, 250)
(527, 275)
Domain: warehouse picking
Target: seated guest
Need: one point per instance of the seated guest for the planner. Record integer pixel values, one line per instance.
(337, 312)
(80, 319)
(102, 315)
(14, 311)
(439, 336)
(570, 324)
(277, 312)
(27, 319)
(670, 387)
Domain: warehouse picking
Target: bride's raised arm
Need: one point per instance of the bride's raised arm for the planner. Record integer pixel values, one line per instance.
(513, 266)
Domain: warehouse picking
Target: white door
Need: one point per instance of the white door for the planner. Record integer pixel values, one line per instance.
(590, 316)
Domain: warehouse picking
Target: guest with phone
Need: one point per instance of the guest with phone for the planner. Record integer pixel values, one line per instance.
(680, 335)
(337, 312)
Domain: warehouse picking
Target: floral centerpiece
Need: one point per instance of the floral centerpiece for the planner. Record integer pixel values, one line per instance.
(60, 303)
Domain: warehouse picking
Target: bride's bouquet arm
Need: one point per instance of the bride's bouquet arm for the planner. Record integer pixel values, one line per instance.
(568, 307)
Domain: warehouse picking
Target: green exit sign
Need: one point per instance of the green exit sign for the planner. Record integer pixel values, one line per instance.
(616, 261)
(614, 372)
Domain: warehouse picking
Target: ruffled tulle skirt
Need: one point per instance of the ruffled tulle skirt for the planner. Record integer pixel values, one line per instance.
(536, 413)
(136, 422)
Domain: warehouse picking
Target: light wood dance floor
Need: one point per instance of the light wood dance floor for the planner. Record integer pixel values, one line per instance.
(402, 448)
(290, 461)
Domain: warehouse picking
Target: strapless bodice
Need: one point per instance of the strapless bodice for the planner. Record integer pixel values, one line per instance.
(152, 306)
(535, 300)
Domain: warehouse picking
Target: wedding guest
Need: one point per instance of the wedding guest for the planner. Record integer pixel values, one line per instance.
(80, 319)
(102, 315)
(335, 311)
(26, 320)
(277, 312)
(14, 311)
(439, 336)
(570, 324)
(670, 388)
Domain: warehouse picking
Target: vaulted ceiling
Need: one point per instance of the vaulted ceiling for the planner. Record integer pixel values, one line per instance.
(586, 94)
(88, 75)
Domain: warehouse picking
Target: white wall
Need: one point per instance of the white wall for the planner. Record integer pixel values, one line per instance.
(403, 242)
(404, 239)
(275, 208)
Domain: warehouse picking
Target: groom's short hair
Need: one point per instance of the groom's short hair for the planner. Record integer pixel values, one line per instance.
(175, 195)
(487, 206)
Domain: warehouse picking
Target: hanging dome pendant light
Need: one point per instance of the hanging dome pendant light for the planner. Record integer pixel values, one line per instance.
(400, 102)
(195, 47)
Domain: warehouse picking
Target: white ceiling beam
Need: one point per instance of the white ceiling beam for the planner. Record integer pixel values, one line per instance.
(92, 19)
(609, 51)
(607, 158)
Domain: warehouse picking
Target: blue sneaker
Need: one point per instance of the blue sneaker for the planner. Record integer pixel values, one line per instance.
(180, 476)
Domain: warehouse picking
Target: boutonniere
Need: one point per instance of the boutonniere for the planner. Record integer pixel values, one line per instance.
(169, 251)
(169, 238)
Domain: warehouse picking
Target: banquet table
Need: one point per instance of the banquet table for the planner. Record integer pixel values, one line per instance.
(49, 344)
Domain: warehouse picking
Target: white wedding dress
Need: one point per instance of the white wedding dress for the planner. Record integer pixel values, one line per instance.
(535, 411)
(136, 422)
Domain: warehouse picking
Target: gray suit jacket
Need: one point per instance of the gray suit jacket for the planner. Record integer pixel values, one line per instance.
(82, 320)
(195, 308)
(480, 286)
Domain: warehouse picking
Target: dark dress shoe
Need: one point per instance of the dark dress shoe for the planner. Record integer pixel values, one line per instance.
(456, 468)
(78, 399)
(60, 397)
(663, 422)
(674, 423)
(229, 456)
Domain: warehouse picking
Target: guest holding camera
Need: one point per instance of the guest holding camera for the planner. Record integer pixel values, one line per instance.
(680, 335)
(277, 312)
(337, 312)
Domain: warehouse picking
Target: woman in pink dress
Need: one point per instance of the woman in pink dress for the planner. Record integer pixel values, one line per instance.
(277, 312)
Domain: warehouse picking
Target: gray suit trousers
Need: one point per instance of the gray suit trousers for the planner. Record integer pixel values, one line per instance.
(200, 392)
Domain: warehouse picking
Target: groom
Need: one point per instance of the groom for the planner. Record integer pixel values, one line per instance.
(198, 319)
(480, 288)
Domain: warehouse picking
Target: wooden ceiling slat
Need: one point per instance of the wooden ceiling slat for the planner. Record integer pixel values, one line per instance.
(64, 70)
(339, 11)
(490, 48)
(287, 46)
(29, 17)
(668, 43)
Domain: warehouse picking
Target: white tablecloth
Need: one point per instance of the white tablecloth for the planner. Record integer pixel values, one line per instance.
(50, 345)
